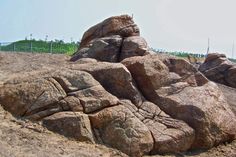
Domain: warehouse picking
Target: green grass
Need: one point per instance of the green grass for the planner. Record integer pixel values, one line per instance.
(39, 46)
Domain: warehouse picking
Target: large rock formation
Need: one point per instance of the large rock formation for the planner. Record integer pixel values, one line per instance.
(146, 104)
(218, 68)
(185, 94)
(118, 25)
(112, 40)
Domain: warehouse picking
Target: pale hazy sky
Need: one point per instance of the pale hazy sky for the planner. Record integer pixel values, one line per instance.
(181, 25)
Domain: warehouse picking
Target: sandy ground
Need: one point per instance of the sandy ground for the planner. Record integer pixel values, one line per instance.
(20, 138)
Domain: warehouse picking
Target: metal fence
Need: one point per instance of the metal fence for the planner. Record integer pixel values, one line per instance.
(39, 46)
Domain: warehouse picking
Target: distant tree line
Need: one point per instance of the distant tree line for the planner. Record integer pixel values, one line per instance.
(179, 53)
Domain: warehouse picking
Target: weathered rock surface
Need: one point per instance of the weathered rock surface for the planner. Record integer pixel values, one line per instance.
(219, 69)
(71, 103)
(115, 78)
(54, 92)
(72, 80)
(230, 94)
(205, 109)
(148, 72)
(133, 46)
(94, 98)
(119, 128)
(170, 135)
(117, 25)
(71, 124)
(103, 49)
(185, 94)
(29, 98)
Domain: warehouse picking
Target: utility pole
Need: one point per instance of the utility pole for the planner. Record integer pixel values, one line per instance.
(46, 38)
(51, 47)
(233, 50)
(208, 47)
(31, 36)
(14, 47)
(31, 46)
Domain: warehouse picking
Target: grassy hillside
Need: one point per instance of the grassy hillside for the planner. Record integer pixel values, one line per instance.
(41, 46)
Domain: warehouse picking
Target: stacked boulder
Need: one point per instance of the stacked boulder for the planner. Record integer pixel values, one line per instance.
(119, 95)
(112, 40)
(218, 68)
